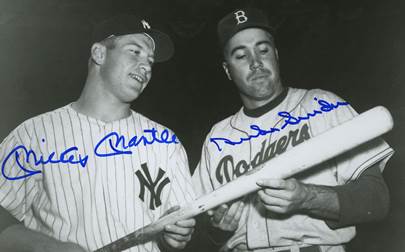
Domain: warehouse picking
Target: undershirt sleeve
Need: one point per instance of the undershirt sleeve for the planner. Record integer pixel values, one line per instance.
(362, 200)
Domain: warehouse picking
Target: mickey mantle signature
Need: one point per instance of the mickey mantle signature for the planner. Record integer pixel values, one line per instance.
(116, 145)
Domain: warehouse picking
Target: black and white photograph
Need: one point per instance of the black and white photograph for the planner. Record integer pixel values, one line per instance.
(202, 126)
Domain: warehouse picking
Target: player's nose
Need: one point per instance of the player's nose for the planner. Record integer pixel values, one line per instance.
(145, 67)
(255, 63)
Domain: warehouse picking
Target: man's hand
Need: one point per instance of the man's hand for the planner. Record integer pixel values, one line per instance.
(176, 236)
(283, 196)
(226, 218)
(291, 196)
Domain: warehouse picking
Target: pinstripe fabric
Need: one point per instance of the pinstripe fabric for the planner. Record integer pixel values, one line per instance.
(99, 203)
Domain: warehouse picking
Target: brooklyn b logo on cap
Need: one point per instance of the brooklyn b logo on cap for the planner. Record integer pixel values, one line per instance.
(145, 25)
(240, 16)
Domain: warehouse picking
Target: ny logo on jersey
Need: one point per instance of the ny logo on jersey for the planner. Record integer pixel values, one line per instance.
(155, 187)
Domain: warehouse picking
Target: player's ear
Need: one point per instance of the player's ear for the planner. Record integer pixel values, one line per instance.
(275, 49)
(226, 69)
(98, 52)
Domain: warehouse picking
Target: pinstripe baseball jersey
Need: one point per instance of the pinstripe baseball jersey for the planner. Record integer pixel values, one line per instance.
(103, 197)
(225, 160)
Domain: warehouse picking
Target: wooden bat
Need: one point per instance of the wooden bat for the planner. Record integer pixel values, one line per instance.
(329, 144)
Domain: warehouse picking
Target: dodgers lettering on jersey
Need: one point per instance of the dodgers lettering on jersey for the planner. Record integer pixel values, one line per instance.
(256, 228)
(106, 199)
(228, 167)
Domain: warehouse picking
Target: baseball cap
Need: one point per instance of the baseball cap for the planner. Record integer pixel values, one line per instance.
(241, 19)
(130, 24)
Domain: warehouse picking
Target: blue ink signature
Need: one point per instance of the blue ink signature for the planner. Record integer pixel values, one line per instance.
(288, 120)
(117, 146)
(31, 157)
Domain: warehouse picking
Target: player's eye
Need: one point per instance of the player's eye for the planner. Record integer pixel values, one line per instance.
(264, 50)
(240, 56)
(135, 51)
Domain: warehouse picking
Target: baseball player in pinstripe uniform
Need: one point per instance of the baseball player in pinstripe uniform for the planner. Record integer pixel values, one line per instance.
(84, 175)
(317, 210)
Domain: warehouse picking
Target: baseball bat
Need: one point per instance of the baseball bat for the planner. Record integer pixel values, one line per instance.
(329, 144)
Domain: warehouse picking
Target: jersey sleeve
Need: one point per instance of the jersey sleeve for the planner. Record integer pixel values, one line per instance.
(352, 163)
(17, 195)
(181, 189)
(203, 184)
(202, 176)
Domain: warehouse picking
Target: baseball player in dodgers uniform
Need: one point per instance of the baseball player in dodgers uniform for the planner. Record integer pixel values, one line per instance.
(93, 171)
(314, 211)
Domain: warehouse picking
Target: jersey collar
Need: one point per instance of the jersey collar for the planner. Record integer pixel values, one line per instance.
(257, 112)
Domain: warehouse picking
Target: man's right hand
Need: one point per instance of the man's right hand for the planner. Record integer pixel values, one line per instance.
(226, 218)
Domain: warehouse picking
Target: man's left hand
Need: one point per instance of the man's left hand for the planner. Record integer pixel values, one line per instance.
(177, 235)
(282, 196)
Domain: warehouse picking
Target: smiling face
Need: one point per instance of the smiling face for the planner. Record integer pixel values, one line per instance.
(126, 66)
(251, 61)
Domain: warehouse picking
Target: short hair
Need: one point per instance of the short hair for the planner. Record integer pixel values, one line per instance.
(109, 42)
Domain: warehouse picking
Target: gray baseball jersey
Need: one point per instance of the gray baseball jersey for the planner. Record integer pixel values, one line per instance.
(227, 155)
(99, 181)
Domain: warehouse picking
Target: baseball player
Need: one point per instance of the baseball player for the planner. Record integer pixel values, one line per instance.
(315, 211)
(84, 175)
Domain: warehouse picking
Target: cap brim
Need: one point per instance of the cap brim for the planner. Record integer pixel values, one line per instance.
(164, 47)
(237, 29)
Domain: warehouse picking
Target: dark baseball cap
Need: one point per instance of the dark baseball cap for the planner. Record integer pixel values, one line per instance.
(239, 20)
(130, 24)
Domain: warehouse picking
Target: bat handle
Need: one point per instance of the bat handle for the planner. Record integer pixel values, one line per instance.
(149, 232)
(138, 237)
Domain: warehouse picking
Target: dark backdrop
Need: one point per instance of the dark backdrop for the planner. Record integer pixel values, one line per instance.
(353, 48)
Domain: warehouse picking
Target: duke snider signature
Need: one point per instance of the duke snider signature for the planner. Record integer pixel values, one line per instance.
(325, 107)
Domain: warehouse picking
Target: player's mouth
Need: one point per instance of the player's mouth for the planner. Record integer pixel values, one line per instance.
(259, 76)
(141, 79)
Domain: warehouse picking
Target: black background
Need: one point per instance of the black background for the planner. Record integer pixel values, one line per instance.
(353, 48)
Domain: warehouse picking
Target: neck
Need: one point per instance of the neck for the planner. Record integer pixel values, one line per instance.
(95, 103)
(253, 104)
